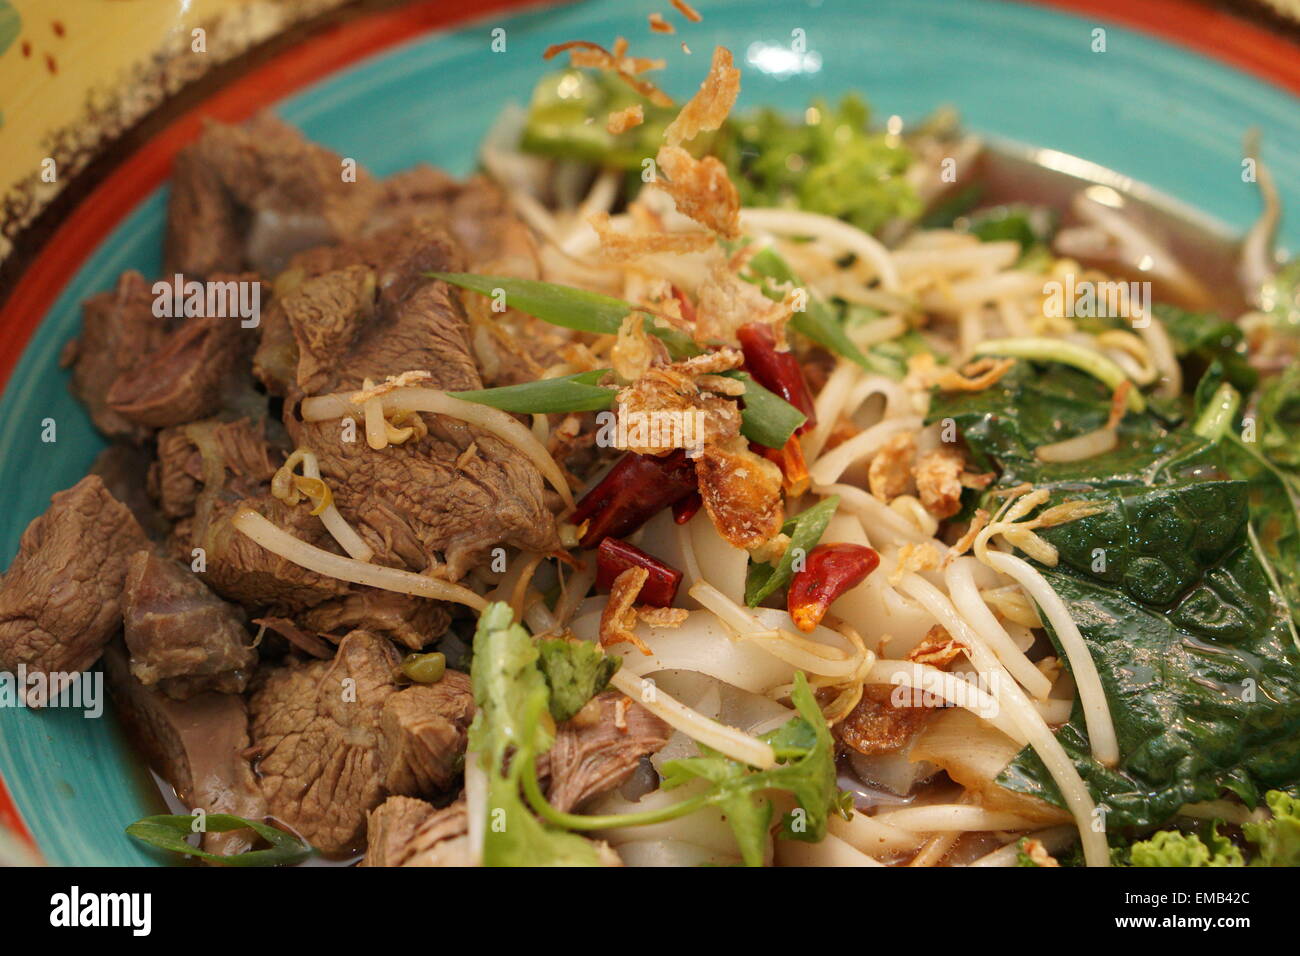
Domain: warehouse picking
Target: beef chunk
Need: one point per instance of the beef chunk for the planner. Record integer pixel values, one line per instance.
(59, 600)
(253, 195)
(593, 754)
(476, 212)
(422, 735)
(406, 832)
(410, 621)
(317, 725)
(117, 329)
(454, 492)
(182, 637)
(201, 361)
(238, 449)
(196, 745)
(240, 569)
(122, 466)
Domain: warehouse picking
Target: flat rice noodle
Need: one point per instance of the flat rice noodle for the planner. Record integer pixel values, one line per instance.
(974, 753)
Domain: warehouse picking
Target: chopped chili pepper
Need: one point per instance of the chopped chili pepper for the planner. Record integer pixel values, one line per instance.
(684, 510)
(829, 571)
(789, 458)
(778, 372)
(613, 557)
(636, 489)
(687, 307)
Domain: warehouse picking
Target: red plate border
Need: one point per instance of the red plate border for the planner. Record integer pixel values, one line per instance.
(1212, 32)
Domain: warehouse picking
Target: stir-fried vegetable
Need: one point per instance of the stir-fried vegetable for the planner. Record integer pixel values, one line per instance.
(569, 393)
(805, 530)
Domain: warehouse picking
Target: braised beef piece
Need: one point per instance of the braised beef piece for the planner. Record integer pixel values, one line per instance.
(251, 196)
(60, 599)
(407, 832)
(239, 449)
(118, 328)
(188, 376)
(182, 637)
(475, 211)
(120, 466)
(454, 493)
(598, 749)
(317, 727)
(422, 735)
(410, 621)
(196, 745)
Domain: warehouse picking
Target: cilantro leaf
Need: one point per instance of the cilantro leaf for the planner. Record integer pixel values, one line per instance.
(512, 720)
(575, 672)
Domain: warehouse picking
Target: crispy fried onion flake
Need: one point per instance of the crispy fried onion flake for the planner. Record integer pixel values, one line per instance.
(624, 246)
(708, 108)
(742, 493)
(701, 189)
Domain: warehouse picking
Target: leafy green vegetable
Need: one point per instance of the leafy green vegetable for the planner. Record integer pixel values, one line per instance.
(805, 753)
(1031, 226)
(1201, 338)
(1175, 848)
(568, 307)
(1170, 591)
(567, 118)
(1278, 839)
(575, 672)
(805, 530)
(569, 393)
(512, 720)
(767, 418)
(168, 832)
(829, 161)
(1279, 417)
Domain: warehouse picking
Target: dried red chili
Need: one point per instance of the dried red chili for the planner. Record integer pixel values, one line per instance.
(613, 557)
(684, 510)
(778, 372)
(829, 571)
(789, 458)
(634, 490)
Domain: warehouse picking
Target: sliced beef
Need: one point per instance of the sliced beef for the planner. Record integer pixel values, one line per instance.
(599, 748)
(187, 377)
(196, 745)
(117, 329)
(251, 196)
(410, 621)
(455, 492)
(182, 637)
(406, 832)
(317, 727)
(422, 735)
(60, 599)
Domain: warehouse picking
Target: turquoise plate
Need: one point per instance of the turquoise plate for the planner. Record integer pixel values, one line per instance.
(1155, 112)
